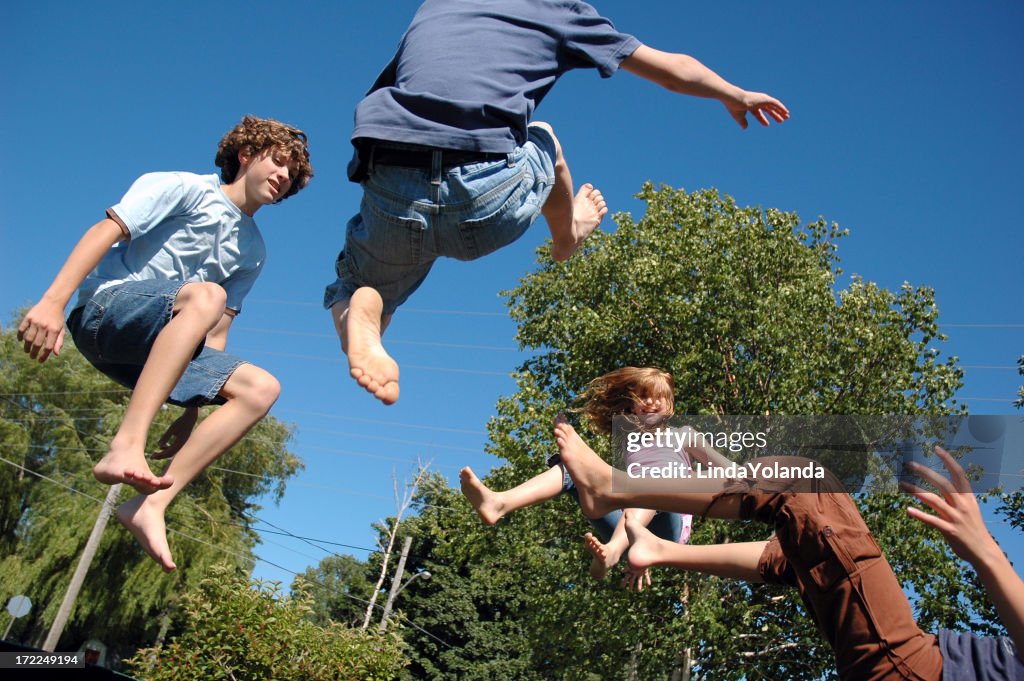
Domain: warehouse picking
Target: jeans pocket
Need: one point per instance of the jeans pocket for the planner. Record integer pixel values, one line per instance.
(385, 238)
(84, 325)
(484, 235)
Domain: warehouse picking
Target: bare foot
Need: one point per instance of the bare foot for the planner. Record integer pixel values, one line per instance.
(147, 526)
(121, 464)
(591, 475)
(604, 557)
(368, 363)
(487, 503)
(588, 208)
(644, 546)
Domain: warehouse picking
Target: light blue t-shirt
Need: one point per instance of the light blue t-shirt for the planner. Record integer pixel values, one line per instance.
(182, 227)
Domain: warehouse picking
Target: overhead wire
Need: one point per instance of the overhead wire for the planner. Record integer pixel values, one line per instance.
(216, 547)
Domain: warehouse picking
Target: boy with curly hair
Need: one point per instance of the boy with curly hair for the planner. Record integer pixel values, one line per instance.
(159, 281)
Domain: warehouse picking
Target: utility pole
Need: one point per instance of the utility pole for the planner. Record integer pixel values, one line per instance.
(83, 566)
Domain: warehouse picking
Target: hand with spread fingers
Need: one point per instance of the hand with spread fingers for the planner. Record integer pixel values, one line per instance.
(958, 518)
(957, 513)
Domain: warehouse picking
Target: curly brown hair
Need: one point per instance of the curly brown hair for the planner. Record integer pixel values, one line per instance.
(615, 393)
(254, 135)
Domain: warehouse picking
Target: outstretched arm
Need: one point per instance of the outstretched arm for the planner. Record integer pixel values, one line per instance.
(42, 329)
(958, 518)
(685, 75)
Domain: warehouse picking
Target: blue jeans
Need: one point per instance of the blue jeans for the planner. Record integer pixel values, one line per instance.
(665, 524)
(409, 217)
(117, 326)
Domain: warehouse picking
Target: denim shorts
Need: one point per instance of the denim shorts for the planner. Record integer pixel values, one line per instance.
(667, 525)
(117, 326)
(406, 221)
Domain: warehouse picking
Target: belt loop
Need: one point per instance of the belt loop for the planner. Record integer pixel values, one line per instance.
(511, 159)
(435, 167)
(372, 153)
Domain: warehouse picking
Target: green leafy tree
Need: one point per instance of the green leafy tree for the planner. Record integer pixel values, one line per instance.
(237, 629)
(56, 419)
(340, 587)
(745, 307)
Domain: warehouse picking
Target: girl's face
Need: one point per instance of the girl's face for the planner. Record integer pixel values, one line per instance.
(653, 405)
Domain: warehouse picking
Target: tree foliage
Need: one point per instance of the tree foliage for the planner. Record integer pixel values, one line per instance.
(56, 419)
(340, 587)
(747, 309)
(237, 629)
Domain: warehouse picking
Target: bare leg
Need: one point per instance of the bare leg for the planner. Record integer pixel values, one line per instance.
(197, 309)
(607, 556)
(360, 323)
(735, 561)
(570, 219)
(250, 392)
(491, 506)
(603, 489)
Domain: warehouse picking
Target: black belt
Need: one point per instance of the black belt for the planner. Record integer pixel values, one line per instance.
(423, 157)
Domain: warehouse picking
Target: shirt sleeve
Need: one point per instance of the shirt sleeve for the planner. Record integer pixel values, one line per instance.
(238, 285)
(153, 198)
(593, 41)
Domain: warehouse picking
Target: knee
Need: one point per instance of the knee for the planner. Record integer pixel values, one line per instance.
(256, 388)
(204, 298)
(265, 390)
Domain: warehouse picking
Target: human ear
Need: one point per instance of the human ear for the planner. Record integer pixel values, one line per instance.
(244, 157)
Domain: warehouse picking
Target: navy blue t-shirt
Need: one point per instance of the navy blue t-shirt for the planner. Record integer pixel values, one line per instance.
(968, 657)
(468, 74)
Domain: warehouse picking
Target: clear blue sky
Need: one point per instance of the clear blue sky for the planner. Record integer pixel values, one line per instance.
(905, 129)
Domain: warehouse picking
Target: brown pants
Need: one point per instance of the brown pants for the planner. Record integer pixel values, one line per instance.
(823, 548)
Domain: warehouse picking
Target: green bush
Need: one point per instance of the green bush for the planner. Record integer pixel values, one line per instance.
(238, 629)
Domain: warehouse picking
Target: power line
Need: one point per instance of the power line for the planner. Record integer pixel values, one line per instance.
(478, 313)
(296, 483)
(428, 445)
(303, 303)
(296, 574)
(188, 500)
(217, 547)
(390, 424)
(64, 392)
(982, 326)
(390, 341)
(339, 360)
(384, 438)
